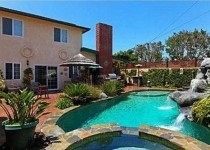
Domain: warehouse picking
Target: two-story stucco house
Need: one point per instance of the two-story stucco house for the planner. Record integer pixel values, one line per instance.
(28, 40)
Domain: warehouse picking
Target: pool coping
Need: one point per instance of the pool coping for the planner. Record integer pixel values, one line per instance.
(50, 129)
(168, 138)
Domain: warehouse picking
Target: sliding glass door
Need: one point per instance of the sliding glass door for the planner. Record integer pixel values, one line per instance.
(52, 78)
(47, 75)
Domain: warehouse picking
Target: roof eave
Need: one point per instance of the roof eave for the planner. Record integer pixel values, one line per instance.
(85, 49)
(84, 29)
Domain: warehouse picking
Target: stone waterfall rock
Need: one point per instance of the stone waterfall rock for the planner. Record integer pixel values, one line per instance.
(186, 98)
(205, 62)
(198, 85)
(199, 75)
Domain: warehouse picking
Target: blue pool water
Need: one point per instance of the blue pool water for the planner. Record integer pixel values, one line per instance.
(132, 110)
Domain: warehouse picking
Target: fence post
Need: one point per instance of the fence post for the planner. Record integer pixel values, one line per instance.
(166, 62)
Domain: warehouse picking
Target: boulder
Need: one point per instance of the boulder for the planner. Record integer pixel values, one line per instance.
(197, 89)
(186, 98)
(103, 95)
(198, 85)
(199, 75)
(205, 62)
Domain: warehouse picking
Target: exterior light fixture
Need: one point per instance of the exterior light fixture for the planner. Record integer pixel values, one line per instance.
(27, 62)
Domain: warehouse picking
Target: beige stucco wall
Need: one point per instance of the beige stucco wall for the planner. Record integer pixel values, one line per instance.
(39, 38)
(89, 55)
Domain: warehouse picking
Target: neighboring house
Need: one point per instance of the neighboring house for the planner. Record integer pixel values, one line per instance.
(28, 40)
(90, 53)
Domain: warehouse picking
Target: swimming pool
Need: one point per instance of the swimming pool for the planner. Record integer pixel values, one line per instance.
(152, 108)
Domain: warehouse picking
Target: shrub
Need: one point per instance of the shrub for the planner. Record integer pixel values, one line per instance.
(2, 83)
(27, 77)
(131, 73)
(77, 93)
(94, 92)
(111, 87)
(159, 77)
(63, 103)
(119, 85)
(201, 111)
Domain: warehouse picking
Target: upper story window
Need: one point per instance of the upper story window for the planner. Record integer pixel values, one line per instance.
(12, 71)
(60, 35)
(12, 27)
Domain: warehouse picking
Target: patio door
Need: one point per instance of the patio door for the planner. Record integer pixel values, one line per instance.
(47, 75)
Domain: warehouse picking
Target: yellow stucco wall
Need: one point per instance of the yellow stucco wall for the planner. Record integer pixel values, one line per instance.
(38, 37)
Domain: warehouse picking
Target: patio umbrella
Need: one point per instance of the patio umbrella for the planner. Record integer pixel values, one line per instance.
(79, 60)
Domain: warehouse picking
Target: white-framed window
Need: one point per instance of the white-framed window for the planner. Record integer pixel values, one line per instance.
(12, 27)
(60, 35)
(73, 71)
(12, 71)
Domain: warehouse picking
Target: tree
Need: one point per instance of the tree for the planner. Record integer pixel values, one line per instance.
(129, 55)
(150, 52)
(188, 45)
(141, 50)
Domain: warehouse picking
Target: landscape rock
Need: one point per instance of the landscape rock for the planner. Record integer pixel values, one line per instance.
(199, 75)
(186, 98)
(198, 85)
(103, 95)
(205, 62)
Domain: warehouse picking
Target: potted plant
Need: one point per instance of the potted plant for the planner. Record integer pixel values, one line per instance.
(23, 110)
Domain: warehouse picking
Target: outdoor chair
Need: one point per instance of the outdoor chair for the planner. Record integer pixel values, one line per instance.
(42, 90)
(35, 86)
(13, 87)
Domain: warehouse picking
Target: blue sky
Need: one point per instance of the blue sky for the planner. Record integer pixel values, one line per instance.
(134, 22)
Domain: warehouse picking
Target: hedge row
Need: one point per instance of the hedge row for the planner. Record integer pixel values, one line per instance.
(171, 78)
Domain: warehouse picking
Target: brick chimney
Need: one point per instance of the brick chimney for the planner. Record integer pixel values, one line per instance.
(104, 47)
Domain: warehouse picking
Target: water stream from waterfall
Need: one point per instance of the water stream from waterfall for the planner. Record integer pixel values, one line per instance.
(168, 104)
(177, 125)
(179, 119)
(192, 87)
